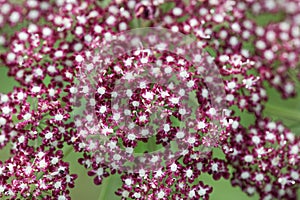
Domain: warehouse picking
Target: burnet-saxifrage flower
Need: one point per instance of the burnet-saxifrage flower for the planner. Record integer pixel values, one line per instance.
(55, 41)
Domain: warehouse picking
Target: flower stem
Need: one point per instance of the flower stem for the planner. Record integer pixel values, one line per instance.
(104, 187)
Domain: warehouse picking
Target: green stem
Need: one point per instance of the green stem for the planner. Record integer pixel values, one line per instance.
(104, 187)
(282, 112)
(39, 176)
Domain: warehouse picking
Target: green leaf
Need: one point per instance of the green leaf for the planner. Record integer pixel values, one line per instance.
(265, 18)
(166, 7)
(183, 18)
(175, 121)
(211, 51)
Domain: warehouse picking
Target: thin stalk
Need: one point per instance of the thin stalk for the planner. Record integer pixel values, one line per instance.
(104, 187)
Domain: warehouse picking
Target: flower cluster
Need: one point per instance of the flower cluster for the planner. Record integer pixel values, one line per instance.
(64, 99)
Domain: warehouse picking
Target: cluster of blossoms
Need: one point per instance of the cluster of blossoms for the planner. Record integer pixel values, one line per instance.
(52, 54)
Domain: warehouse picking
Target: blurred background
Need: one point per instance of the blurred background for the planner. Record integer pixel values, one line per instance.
(287, 111)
